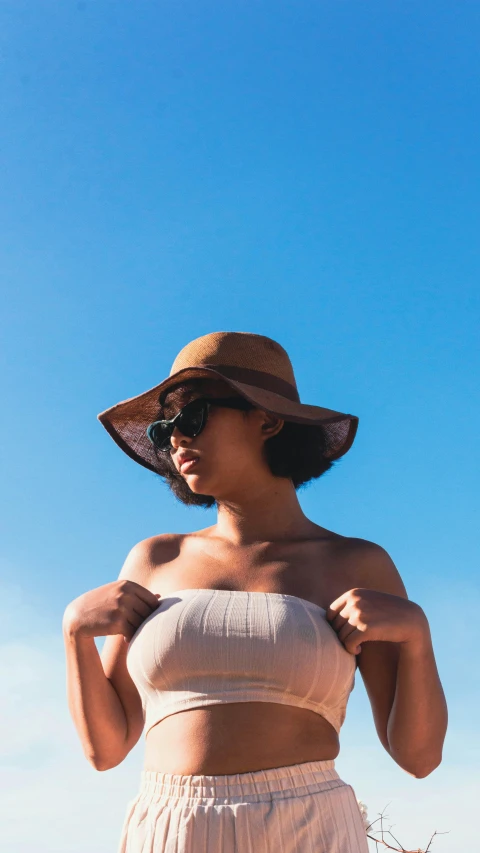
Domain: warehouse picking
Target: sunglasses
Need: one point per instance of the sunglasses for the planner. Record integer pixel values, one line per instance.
(191, 420)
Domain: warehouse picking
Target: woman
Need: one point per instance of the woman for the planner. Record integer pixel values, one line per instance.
(237, 644)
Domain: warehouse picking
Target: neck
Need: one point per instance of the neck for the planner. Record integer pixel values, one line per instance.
(266, 513)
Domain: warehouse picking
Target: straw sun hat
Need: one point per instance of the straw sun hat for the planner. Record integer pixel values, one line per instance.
(255, 366)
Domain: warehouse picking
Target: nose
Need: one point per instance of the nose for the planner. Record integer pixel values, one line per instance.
(178, 439)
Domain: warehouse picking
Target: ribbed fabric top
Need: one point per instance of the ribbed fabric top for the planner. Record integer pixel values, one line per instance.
(211, 646)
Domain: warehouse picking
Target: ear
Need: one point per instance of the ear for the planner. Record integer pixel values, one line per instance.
(271, 425)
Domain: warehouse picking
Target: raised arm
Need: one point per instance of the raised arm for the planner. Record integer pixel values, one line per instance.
(104, 703)
(396, 659)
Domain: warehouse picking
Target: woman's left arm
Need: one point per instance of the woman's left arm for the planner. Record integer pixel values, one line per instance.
(390, 634)
(418, 718)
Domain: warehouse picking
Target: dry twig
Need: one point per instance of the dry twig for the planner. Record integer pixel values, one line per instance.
(384, 844)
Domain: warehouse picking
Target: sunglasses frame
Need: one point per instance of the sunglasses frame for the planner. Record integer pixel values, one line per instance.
(207, 402)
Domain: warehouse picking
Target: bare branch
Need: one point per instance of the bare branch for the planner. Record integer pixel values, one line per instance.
(385, 845)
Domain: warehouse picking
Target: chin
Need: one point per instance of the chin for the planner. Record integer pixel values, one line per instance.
(202, 485)
(196, 484)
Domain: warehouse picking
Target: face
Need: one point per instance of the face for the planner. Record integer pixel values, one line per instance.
(230, 449)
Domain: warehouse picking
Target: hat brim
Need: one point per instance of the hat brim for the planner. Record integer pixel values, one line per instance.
(128, 420)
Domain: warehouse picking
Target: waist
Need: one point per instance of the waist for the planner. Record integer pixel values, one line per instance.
(237, 738)
(251, 786)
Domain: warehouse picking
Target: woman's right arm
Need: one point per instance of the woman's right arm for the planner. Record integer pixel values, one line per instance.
(95, 707)
(109, 725)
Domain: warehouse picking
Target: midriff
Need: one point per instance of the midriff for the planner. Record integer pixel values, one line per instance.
(238, 738)
(247, 736)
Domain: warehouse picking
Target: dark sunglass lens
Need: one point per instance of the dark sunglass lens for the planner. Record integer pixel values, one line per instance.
(160, 435)
(191, 419)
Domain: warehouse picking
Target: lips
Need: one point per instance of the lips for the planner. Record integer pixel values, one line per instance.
(188, 463)
(186, 460)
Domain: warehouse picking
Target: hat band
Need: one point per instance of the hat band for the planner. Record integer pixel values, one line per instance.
(257, 378)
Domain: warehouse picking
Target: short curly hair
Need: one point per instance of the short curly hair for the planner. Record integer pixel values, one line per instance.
(296, 452)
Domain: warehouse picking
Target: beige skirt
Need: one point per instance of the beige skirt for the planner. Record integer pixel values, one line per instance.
(302, 807)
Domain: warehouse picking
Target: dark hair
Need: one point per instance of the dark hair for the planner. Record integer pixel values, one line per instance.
(296, 452)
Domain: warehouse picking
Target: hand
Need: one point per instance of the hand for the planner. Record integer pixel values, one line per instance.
(360, 615)
(119, 607)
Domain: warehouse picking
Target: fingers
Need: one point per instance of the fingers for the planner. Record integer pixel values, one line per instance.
(351, 638)
(131, 627)
(142, 604)
(145, 595)
(133, 619)
(338, 622)
(142, 608)
(348, 634)
(135, 603)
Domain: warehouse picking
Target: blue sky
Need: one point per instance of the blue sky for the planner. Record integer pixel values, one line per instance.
(307, 171)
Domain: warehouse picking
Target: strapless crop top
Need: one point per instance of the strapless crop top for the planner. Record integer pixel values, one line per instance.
(214, 646)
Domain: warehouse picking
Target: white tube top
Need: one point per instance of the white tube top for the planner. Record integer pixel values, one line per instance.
(215, 646)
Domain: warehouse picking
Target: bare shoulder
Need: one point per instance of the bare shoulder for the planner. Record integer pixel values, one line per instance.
(367, 565)
(148, 555)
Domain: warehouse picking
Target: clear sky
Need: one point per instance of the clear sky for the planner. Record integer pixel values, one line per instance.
(307, 171)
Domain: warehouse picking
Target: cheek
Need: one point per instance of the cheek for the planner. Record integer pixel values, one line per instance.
(229, 444)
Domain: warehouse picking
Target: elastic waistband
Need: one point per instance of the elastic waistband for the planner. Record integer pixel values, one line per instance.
(255, 784)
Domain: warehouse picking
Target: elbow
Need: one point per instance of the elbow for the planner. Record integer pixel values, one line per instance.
(423, 772)
(102, 763)
(106, 756)
(417, 766)
(99, 764)
(420, 771)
